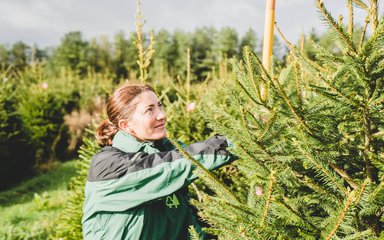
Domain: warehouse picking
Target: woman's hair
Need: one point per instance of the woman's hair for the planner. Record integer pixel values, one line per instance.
(119, 107)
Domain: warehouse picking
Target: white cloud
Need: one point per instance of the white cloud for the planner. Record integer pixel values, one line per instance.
(18, 16)
(46, 21)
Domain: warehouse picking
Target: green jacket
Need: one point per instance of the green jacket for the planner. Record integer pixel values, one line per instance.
(138, 190)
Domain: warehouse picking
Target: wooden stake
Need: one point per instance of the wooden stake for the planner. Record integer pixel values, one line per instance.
(268, 42)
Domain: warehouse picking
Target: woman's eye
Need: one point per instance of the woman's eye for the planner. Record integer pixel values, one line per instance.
(160, 105)
(149, 110)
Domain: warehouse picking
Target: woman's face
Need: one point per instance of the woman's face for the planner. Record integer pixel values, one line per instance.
(148, 121)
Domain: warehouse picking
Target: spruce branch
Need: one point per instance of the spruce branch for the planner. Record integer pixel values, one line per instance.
(260, 162)
(325, 56)
(223, 69)
(232, 217)
(245, 125)
(378, 189)
(223, 189)
(264, 151)
(244, 122)
(197, 191)
(374, 61)
(362, 190)
(369, 167)
(349, 98)
(316, 70)
(284, 202)
(272, 179)
(316, 187)
(373, 14)
(320, 167)
(150, 50)
(340, 20)
(239, 233)
(377, 101)
(375, 87)
(260, 146)
(297, 116)
(296, 68)
(375, 38)
(239, 215)
(298, 55)
(363, 32)
(361, 4)
(338, 29)
(250, 70)
(188, 74)
(350, 200)
(378, 134)
(139, 40)
(254, 118)
(193, 233)
(302, 42)
(248, 94)
(342, 73)
(270, 123)
(241, 85)
(231, 232)
(245, 210)
(264, 71)
(367, 234)
(344, 175)
(144, 55)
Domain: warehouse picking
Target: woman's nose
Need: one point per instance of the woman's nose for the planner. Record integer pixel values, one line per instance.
(161, 115)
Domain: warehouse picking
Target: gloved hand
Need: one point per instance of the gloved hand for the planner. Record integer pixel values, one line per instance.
(230, 143)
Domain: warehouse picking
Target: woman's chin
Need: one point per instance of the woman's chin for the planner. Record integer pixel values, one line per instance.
(159, 135)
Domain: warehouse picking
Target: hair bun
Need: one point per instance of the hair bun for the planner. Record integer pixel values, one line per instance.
(105, 133)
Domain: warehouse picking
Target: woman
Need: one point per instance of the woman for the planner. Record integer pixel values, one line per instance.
(137, 184)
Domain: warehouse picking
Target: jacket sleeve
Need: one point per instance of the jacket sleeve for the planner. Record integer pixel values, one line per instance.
(145, 177)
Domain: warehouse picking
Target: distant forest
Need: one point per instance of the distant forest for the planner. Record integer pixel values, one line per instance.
(117, 57)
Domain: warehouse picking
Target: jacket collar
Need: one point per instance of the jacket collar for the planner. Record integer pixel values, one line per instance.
(128, 143)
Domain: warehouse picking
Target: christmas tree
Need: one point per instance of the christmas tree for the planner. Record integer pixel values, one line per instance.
(312, 150)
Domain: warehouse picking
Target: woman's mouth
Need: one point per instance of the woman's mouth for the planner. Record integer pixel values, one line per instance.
(162, 125)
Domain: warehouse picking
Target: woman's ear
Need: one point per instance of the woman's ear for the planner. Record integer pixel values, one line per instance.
(123, 124)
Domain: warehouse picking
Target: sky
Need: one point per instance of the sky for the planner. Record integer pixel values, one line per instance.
(44, 22)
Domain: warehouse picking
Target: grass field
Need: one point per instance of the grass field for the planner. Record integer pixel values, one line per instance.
(31, 209)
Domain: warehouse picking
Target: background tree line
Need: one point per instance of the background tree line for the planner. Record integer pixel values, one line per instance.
(117, 57)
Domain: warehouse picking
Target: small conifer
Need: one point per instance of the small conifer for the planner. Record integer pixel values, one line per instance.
(312, 153)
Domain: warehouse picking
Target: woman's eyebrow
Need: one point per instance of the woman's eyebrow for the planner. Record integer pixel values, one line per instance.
(152, 104)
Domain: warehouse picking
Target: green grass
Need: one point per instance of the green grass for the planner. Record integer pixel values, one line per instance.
(30, 210)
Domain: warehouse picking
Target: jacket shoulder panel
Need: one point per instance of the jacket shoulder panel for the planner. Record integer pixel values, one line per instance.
(112, 163)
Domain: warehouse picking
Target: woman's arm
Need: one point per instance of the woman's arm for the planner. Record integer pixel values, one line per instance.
(120, 181)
